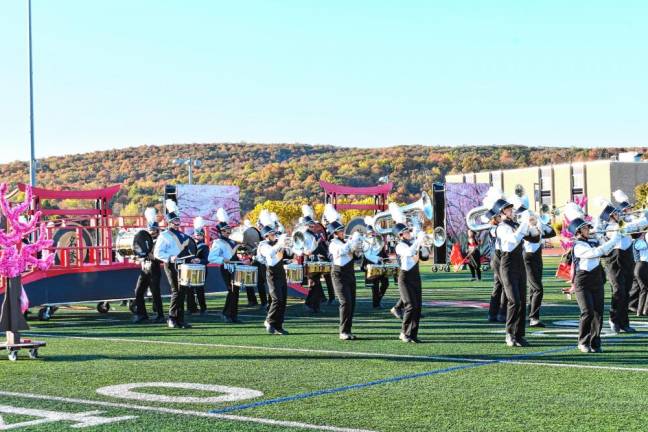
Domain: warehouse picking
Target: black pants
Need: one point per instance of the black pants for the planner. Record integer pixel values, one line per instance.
(192, 294)
(514, 283)
(329, 286)
(474, 264)
(409, 286)
(498, 301)
(148, 278)
(278, 290)
(230, 309)
(251, 295)
(315, 292)
(533, 265)
(619, 266)
(641, 279)
(261, 282)
(176, 306)
(589, 294)
(344, 284)
(379, 287)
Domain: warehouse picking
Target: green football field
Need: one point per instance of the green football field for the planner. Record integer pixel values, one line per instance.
(99, 372)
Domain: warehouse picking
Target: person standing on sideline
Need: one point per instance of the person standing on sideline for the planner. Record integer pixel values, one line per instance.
(473, 256)
(150, 271)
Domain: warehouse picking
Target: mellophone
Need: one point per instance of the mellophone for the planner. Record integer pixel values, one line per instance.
(378, 270)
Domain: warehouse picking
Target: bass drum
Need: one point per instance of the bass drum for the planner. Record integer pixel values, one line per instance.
(66, 237)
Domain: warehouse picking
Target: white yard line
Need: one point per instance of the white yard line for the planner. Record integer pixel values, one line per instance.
(344, 353)
(267, 348)
(229, 417)
(575, 366)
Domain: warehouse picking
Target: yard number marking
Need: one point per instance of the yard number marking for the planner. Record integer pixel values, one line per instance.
(228, 394)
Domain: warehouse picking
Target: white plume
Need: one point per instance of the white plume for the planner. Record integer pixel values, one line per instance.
(330, 213)
(274, 217)
(620, 196)
(396, 213)
(150, 214)
(516, 201)
(199, 223)
(602, 202)
(492, 195)
(525, 201)
(308, 211)
(221, 215)
(265, 218)
(171, 206)
(247, 223)
(368, 220)
(573, 211)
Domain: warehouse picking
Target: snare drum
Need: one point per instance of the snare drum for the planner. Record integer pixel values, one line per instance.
(294, 273)
(192, 275)
(125, 243)
(391, 269)
(245, 276)
(318, 267)
(375, 271)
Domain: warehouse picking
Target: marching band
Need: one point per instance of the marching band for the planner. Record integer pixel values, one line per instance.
(609, 247)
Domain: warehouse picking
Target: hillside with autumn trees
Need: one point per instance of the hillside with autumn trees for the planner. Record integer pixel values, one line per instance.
(280, 172)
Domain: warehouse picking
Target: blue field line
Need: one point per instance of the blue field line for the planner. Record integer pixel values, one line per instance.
(477, 363)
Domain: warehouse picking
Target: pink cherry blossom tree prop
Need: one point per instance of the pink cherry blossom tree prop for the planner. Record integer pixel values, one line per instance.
(17, 255)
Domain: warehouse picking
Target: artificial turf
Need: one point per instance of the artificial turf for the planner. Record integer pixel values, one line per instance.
(462, 378)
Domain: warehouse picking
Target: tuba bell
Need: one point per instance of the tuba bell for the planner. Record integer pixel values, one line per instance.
(423, 205)
(474, 219)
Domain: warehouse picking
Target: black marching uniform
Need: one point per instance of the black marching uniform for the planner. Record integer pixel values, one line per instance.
(640, 248)
(202, 253)
(380, 284)
(149, 276)
(588, 282)
(513, 274)
(534, 267)
(498, 303)
(274, 254)
(220, 248)
(344, 282)
(173, 242)
(409, 285)
(316, 291)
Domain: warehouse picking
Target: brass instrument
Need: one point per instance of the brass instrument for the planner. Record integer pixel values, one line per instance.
(475, 219)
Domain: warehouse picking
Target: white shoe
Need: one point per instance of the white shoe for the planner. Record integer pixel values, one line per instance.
(404, 338)
(269, 328)
(510, 340)
(614, 327)
(584, 348)
(346, 336)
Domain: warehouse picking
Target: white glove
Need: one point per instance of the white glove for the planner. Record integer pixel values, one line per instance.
(355, 237)
(420, 237)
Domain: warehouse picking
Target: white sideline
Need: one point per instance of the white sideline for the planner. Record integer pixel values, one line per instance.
(183, 412)
(267, 348)
(346, 353)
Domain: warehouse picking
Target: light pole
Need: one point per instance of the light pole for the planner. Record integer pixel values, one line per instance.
(32, 155)
(190, 162)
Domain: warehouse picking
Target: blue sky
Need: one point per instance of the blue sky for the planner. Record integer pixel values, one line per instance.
(355, 73)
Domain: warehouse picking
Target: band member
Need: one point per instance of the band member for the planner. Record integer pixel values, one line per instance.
(473, 256)
(409, 281)
(342, 272)
(202, 257)
(534, 267)
(512, 272)
(172, 247)
(274, 250)
(497, 307)
(641, 274)
(375, 255)
(588, 282)
(223, 252)
(319, 253)
(619, 264)
(259, 263)
(150, 271)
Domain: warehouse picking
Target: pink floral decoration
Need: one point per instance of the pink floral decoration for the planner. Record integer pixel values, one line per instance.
(567, 240)
(17, 256)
